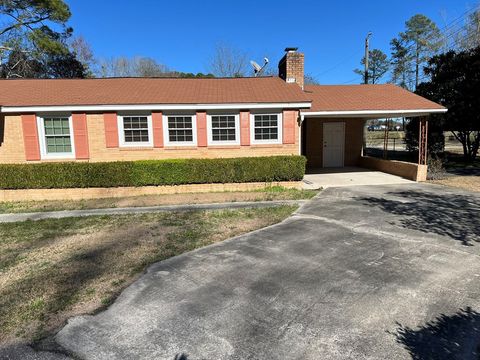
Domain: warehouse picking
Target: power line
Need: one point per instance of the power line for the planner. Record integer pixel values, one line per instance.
(449, 25)
(428, 77)
(446, 37)
(446, 27)
(337, 65)
(460, 17)
(350, 81)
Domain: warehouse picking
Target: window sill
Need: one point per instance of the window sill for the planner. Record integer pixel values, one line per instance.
(274, 145)
(182, 147)
(58, 158)
(225, 146)
(46, 160)
(135, 148)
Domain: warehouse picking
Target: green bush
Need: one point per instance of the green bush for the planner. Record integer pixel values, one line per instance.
(151, 172)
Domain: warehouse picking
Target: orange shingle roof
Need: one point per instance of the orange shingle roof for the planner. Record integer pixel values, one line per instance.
(126, 91)
(133, 91)
(365, 97)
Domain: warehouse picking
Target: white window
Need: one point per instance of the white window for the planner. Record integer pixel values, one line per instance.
(135, 130)
(223, 129)
(266, 128)
(56, 137)
(180, 130)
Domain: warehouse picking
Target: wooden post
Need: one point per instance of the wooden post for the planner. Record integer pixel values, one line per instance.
(422, 141)
(385, 139)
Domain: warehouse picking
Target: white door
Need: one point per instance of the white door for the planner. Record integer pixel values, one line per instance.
(333, 144)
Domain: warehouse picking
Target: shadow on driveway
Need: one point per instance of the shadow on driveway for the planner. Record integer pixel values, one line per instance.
(447, 337)
(181, 356)
(448, 214)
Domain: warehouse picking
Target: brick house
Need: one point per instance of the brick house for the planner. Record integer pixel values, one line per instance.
(162, 118)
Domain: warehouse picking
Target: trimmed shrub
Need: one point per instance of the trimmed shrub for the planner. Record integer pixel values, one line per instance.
(151, 172)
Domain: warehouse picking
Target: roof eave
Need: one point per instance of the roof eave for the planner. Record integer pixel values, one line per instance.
(372, 114)
(149, 107)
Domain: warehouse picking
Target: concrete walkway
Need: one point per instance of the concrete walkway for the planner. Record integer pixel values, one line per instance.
(367, 272)
(17, 217)
(349, 176)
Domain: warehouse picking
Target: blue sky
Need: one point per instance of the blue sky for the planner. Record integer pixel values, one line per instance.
(183, 34)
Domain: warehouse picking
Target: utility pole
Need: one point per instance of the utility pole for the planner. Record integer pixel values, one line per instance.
(366, 57)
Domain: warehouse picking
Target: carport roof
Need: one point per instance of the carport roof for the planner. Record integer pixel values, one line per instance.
(369, 101)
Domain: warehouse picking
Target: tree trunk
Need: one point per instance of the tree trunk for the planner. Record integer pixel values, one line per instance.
(476, 145)
(469, 146)
(463, 137)
(417, 59)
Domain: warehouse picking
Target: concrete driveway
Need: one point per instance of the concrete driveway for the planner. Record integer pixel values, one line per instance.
(348, 176)
(367, 272)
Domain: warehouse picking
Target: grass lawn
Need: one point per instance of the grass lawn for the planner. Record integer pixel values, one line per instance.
(53, 269)
(471, 183)
(460, 174)
(374, 135)
(271, 193)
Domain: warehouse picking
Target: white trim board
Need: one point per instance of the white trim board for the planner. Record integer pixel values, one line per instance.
(151, 107)
(370, 113)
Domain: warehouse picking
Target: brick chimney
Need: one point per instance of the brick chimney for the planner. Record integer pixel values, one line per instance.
(290, 68)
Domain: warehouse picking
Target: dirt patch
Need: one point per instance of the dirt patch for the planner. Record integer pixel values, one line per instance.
(54, 269)
(470, 183)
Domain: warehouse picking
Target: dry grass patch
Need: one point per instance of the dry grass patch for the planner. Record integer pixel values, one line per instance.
(53, 269)
(270, 193)
(471, 183)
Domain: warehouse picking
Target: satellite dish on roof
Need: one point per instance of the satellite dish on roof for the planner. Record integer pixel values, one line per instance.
(257, 69)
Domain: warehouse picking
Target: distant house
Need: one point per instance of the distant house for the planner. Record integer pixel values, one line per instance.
(162, 118)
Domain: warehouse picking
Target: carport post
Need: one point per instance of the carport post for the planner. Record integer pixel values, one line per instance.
(385, 138)
(422, 141)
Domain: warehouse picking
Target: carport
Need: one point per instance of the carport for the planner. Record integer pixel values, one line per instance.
(332, 130)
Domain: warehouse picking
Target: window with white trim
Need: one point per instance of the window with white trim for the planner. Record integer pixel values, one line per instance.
(180, 129)
(135, 130)
(56, 136)
(224, 129)
(266, 128)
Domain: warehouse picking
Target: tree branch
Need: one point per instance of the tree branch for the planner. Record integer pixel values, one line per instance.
(26, 24)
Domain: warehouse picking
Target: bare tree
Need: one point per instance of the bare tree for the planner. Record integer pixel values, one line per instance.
(140, 66)
(148, 67)
(471, 32)
(463, 33)
(83, 52)
(229, 62)
(131, 67)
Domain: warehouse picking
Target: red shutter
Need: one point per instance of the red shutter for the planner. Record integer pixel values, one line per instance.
(157, 127)
(202, 128)
(245, 128)
(30, 137)
(289, 120)
(111, 130)
(80, 135)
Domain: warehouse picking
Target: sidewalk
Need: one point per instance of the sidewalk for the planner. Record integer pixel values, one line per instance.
(17, 217)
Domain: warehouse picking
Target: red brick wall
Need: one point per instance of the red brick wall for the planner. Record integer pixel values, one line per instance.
(97, 140)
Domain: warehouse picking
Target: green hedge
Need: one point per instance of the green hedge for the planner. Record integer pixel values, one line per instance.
(151, 172)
